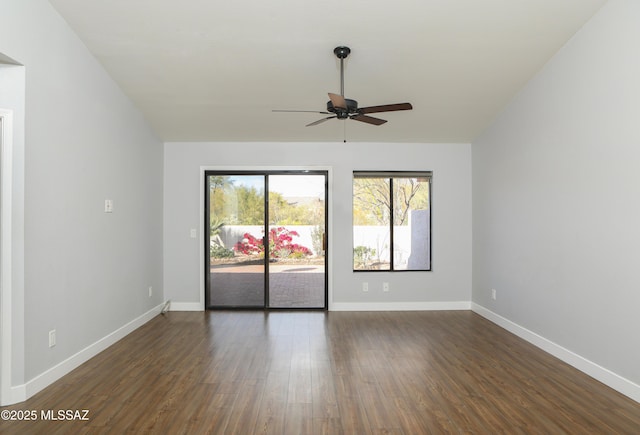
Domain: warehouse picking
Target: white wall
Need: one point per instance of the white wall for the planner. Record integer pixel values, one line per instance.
(556, 190)
(12, 96)
(86, 273)
(450, 280)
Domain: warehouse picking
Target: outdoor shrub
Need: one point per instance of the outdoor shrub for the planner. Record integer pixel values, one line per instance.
(249, 245)
(217, 251)
(363, 255)
(280, 244)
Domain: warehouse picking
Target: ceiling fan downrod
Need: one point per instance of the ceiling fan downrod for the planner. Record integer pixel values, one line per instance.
(341, 53)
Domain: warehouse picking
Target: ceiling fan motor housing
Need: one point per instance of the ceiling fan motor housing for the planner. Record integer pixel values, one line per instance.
(341, 112)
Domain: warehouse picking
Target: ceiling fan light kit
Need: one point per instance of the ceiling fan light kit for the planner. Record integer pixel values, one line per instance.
(345, 108)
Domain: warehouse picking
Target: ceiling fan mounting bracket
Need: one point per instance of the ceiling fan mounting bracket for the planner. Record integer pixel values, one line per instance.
(342, 52)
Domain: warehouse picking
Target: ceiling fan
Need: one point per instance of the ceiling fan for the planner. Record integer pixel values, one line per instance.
(340, 107)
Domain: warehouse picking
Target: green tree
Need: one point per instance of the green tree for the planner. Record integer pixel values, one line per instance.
(244, 205)
(218, 202)
(408, 194)
(250, 203)
(235, 205)
(283, 212)
(372, 199)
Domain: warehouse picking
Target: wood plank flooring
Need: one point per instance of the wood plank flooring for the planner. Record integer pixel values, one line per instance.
(327, 373)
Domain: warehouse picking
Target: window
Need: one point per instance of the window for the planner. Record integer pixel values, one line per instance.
(391, 221)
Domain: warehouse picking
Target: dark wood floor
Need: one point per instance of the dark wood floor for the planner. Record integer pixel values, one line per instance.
(336, 372)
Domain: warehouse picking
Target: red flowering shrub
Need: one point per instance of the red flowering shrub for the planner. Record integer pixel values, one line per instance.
(249, 245)
(280, 244)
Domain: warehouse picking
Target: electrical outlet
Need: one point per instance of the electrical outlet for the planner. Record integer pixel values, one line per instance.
(365, 286)
(108, 205)
(150, 291)
(52, 338)
(385, 286)
(494, 294)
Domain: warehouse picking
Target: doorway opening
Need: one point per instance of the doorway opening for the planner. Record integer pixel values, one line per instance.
(267, 239)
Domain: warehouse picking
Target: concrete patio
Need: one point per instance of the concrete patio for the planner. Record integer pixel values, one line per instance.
(290, 285)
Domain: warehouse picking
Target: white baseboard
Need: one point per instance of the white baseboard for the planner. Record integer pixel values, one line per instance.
(399, 306)
(358, 306)
(606, 376)
(186, 306)
(17, 394)
(53, 374)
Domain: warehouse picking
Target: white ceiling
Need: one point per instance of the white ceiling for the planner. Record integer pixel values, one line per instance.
(209, 70)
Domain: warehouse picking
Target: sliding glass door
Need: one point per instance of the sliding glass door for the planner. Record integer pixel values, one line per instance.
(267, 239)
(297, 239)
(236, 232)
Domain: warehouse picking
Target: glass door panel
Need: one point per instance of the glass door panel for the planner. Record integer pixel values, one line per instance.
(236, 233)
(297, 240)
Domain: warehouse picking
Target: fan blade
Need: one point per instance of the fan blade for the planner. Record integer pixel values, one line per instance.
(386, 108)
(320, 121)
(369, 119)
(337, 100)
(303, 111)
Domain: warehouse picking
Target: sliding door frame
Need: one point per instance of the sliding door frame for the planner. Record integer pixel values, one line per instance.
(205, 172)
